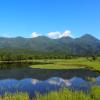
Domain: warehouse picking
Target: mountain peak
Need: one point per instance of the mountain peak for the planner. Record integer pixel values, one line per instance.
(67, 45)
(88, 36)
(41, 37)
(19, 37)
(67, 37)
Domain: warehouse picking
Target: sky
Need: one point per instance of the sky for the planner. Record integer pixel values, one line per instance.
(52, 18)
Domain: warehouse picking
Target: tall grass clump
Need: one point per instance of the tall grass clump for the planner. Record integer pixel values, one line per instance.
(64, 94)
(95, 92)
(17, 96)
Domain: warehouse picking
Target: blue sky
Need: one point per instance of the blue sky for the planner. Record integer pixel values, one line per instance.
(49, 17)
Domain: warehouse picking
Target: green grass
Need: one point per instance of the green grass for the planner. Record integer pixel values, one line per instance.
(95, 92)
(82, 62)
(65, 94)
(17, 96)
(70, 64)
(55, 66)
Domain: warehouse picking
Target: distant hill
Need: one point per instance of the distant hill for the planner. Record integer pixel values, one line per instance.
(86, 44)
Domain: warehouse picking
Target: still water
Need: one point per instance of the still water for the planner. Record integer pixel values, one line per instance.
(30, 80)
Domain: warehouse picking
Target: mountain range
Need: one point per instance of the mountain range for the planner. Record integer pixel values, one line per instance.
(85, 44)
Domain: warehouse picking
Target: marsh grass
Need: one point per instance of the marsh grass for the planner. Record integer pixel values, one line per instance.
(62, 94)
(17, 96)
(80, 62)
(66, 94)
(55, 66)
(95, 93)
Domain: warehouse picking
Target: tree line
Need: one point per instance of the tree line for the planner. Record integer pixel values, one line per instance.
(23, 54)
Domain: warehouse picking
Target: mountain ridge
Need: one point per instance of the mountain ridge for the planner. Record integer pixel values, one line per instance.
(85, 35)
(83, 45)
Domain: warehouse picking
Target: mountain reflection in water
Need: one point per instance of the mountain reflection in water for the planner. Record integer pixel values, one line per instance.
(21, 78)
(31, 86)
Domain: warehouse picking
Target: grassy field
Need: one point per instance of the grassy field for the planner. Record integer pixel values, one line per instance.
(56, 66)
(70, 64)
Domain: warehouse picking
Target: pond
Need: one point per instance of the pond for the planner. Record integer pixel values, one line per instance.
(26, 79)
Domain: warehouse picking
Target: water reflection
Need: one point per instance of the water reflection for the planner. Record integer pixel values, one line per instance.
(78, 83)
(21, 78)
(31, 86)
(26, 72)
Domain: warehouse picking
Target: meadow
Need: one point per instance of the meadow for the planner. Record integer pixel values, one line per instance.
(73, 63)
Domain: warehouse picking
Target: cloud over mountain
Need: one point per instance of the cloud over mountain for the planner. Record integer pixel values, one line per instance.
(35, 34)
(84, 45)
(54, 35)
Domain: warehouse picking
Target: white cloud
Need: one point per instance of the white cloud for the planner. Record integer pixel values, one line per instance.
(66, 33)
(55, 35)
(35, 34)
